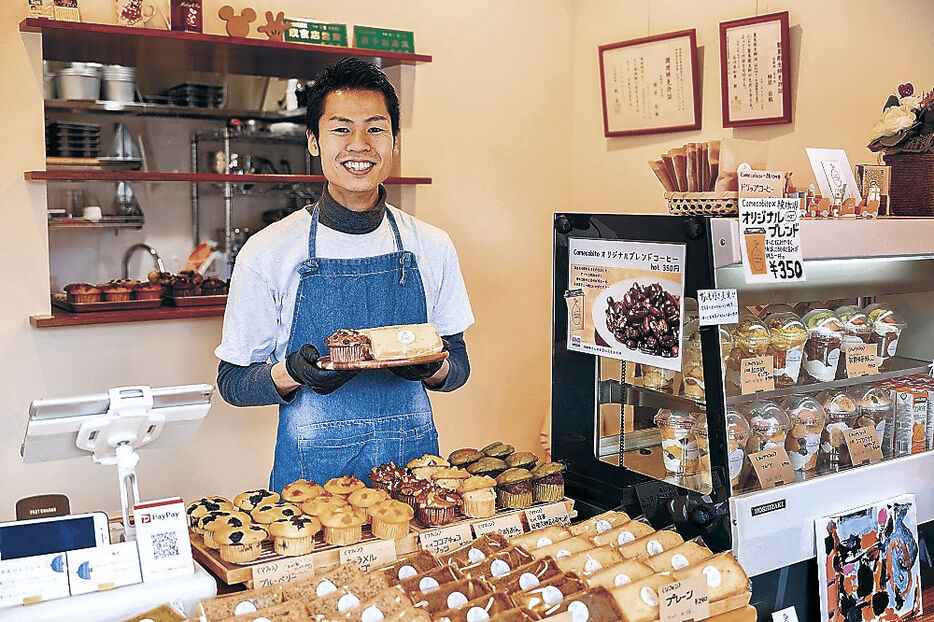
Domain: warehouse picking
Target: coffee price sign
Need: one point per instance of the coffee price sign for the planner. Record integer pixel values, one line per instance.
(625, 300)
(769, 232)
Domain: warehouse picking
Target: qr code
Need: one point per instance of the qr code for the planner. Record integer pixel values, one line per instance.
(164, 544)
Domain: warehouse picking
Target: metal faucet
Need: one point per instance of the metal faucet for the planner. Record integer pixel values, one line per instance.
(157, 261)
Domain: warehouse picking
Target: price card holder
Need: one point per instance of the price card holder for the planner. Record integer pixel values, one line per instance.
(717, 306)
(547, 515)
(446, 539)
(370, 555)
(28, 580)
(863, 445)
(508, 525)
(773, 467)
(283, 570)
(103, 567)
(684, 600)
(861, 360)
(757, 374)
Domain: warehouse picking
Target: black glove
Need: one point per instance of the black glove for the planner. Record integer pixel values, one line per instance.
(302, 365)
(422, 371)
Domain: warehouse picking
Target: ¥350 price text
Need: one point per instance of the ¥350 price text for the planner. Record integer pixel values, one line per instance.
(787, 269)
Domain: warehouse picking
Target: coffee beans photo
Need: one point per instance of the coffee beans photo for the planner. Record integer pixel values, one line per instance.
(647, 319)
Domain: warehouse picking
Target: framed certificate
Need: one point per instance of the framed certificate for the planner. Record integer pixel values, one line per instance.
(755, 81)
(651, 85)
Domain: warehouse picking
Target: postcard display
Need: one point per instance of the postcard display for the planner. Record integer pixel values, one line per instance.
(775, 408)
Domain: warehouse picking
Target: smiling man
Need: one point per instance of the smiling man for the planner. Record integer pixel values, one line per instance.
(347, 261)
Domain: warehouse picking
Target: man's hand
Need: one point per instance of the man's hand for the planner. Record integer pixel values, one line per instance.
(302, 366)
(423, 371)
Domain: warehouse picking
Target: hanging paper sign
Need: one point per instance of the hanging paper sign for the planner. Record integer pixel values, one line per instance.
(717, 306)
(625, 300)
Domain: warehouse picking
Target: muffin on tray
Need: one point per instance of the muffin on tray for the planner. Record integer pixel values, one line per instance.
(427, 465)
(300, 490)
(464, 457)
(270, 512)
(343, 525)
(251, 499)
(294, 535)
(450, 477)
(385, 476)
(147, 291)
(390, 519)
(116, 292)
(548, 482)
(514, 489)
(478, 496)
(239, 545)
(82, 293)
(436, 506)
(343, 485)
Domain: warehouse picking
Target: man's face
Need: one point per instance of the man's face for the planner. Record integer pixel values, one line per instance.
(356, 146)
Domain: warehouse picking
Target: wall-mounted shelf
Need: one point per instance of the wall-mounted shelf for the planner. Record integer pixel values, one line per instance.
(167, 49)
(197, 177)
(107, 222)
(60, 318)
(160, 110)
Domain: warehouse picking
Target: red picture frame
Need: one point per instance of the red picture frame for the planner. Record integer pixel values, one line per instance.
(674, 115)
(743, 111)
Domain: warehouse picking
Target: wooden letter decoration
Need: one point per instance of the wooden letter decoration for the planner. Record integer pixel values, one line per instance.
(238, 26)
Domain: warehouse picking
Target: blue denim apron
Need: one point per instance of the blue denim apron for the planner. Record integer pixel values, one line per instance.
(376, 416)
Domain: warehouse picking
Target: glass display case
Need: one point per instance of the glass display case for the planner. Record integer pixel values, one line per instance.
(678, 446)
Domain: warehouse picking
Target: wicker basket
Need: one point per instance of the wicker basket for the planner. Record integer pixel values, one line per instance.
(703, 203)
(911, 191)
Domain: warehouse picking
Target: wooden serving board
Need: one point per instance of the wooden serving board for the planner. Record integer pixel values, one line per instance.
(325, 362)
(325, 556)
(195, 301)
(417, 527)
(59, 300)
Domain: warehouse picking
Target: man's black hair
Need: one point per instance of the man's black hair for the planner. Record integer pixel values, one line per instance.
(351, 74)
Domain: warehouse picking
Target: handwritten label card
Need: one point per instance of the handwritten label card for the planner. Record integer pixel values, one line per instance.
(717, 306)
(863, 445)
(773, 467)
(370, 555)
(508, 525)
(757, 374)
(547, 515)
(861, 360)
(684, 600)
(283, 570)
(752, 184)
(446, 539)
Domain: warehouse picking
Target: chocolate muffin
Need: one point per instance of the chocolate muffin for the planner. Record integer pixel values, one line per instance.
(213, 286)
(408, 489)
(147, 291)
(385, 476)
(348, 346)
(182, 286)
(435, 505)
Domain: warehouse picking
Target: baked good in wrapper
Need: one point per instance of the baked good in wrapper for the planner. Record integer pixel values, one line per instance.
(348, 346)
(498, 564)
(725, 577)
(546, 598)
(639, 600)
(225, 606)
(408, 487)
(623, 534)
(410, 566)
(750, 339)
(737, 432)
(620, 574)
(205, 505)
(386, 343)
(294, 535)
(526, 576)
(768, 425)
(251, 499)
(270, 512)
(679, 444)
(383, 606)
(430, 579)
(450, 595)
(807, 418)
(390, 519)
(514, 489)
(300, 490)
(366, 498)
(825, 339)
(478, 496)
(541, 537)
(321, 585)
(887, 326)
(147, 291)
(479, 609)
(679, 557)
(82, 293)
(590, 562)
(601, 523)
(692, 363)
(652, 544)
(842, 416)
(548, 482)
(480, 549)
(873, 408)
(787, 336)
(564, 548)
(214, 521)
(594, 605)
(343, 525)
(239, 545)
(436, 505)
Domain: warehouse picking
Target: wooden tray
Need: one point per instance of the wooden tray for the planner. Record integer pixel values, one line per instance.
(61, 302)
(325, 556)
(194, 301)
(325, 362)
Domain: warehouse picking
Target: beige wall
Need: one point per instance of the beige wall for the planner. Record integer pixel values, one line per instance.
(507, 122)
(486, 122)
(846, 58)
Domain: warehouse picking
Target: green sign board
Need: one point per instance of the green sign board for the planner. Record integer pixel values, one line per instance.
(307, 31)
(384, 39)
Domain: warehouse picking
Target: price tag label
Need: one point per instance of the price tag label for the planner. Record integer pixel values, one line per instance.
(717, 306)
(770, 240)
(773, 467)
(684, 600)
(283, 570)
(438, 541)
(509, 525)
(861, 360)
(863, 445)
(757, 374)
(547, 515)
(369, 555)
